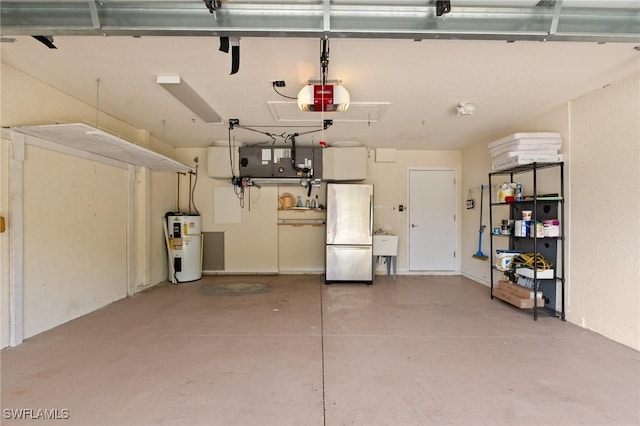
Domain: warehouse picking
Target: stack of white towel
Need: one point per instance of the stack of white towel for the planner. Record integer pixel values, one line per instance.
(525, 148)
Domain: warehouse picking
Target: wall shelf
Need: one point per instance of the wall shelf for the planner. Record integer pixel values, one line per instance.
(85, 138)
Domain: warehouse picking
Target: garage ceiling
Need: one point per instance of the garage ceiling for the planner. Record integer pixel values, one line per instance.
(405, 67)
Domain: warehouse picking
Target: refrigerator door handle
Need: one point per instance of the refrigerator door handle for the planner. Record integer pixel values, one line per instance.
(346, 248)
(370, 215)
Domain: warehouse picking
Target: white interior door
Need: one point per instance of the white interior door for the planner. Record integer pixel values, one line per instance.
(432, 221)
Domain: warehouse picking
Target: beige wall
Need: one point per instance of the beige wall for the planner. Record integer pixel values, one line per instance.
(155, 195)
(601, 144)
(75, 255)
(605, 224)
(27, 101)
(251, 246)
(391, 183)
(476, 164)
(75, 214)
(162, 199)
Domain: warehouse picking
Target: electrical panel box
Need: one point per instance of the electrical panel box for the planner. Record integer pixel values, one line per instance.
(275, 161)
(256, 161)
(386, 155)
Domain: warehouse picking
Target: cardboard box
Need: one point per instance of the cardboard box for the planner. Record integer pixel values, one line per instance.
(541, 274)
(518, 290)
(520, 302)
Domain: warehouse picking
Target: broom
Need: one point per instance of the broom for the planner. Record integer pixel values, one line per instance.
(479, 254)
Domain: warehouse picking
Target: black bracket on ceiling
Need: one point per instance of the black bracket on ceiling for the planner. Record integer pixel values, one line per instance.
(235, 51)
(46, 40)
(233, 122)
(212, 5)
(442, 7)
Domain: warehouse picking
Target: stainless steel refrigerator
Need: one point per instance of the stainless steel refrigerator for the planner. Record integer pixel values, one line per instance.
(349, 255)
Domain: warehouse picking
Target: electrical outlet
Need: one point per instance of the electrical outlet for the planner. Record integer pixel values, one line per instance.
(278, 83)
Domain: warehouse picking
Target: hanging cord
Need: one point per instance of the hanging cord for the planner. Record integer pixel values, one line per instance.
(322, 116)
(190, 193)
(233, 174)
(193, 189)
(239, 190)
(532, 261)
(324, 64)
(238, 184)
(282, 94)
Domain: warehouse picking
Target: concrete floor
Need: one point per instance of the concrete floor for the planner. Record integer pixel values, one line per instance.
(288, 350)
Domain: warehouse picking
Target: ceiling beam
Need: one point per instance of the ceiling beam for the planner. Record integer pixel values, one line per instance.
(326, 17)
(93, 11)
(316, 18)
(556, 17)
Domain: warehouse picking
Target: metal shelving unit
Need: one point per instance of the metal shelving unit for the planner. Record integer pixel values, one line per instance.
(543, 207)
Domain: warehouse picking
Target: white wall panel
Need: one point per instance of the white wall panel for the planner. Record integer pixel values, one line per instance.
(75, 255)
(58, 292)
(163, 200)
(4, 245)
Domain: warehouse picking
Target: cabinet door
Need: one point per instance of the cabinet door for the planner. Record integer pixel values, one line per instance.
(301, 248)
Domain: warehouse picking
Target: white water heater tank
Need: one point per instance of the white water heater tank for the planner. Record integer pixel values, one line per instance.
(185, 248)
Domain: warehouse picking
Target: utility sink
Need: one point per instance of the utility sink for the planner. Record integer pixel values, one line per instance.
(385, 244)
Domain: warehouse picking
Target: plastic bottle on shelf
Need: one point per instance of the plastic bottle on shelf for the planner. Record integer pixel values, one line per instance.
(505, 191)
(518, 192)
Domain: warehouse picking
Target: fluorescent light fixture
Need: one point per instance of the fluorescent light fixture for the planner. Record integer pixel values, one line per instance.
(189, 98)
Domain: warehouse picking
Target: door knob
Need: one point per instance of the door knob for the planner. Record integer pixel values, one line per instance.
(413, 225)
